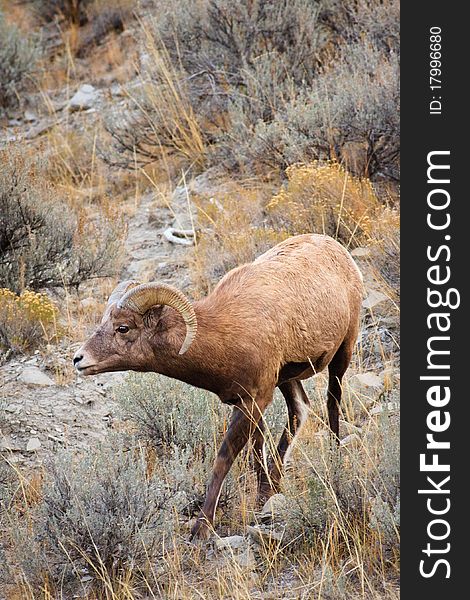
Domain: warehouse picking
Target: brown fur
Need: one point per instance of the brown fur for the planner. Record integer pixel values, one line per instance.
(280, 319)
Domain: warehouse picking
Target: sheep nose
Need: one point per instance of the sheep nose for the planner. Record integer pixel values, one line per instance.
(76, 359)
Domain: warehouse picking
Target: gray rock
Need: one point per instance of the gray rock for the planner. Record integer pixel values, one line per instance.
(246, 559)
(33, 444)
(373, 299)
(7, 444)
(275, 506)
(236, 548)
(39, 129)
(360, 252)
(369, 380)
(390, 407)
(351, 440)
(29, 116)
(34, 376)
(265, 535)
(233, 542)
(84, 98)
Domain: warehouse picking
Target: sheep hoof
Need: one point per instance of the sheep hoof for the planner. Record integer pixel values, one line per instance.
(201, 529)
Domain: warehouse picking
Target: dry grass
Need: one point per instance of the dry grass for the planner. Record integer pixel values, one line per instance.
(160, 121)
(232, 230)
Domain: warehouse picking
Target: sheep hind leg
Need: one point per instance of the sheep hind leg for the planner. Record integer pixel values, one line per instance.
(336, 369)
(297, 408)
(245, 417)
(265, 489)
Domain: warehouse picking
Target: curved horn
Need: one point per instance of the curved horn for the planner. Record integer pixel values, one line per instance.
(120, 290)
(117, 294)
(143, 297)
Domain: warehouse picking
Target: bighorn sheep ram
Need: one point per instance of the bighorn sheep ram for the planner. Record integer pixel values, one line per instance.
(280, 319)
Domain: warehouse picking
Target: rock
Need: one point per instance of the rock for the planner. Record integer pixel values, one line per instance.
(366, 380)
(265, 535)
(84, 98)
(233, 542)
(275, 506)
(34, 376)
(246, 559)
(33, 444)
(360, 252)
(348, 428)
(39, 129)
(29, 116)
(350, 440)
(237, 548)
(390, 407)
(7, 444)
(142, 270)
(15, 459)
(373, 299)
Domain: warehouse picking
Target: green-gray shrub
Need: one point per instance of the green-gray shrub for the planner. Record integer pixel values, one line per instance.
(169, 413)
(186, 426)
(18, 54)
(256, 52)
(224, 38)
(271, 83)
(355, 101)
(340, 488)
(43, 243)
(99, 517)
(173, 415)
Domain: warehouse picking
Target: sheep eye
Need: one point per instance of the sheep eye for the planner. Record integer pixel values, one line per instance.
(122, 329)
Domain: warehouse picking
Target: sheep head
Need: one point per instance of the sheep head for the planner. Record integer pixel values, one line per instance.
(125, 338)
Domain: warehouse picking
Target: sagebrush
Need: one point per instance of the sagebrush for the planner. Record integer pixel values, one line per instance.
(43, 242)
(18, 55)
(96, 520)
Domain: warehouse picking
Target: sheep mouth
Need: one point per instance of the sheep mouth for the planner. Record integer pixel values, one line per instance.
(87, 369)
(97, 369)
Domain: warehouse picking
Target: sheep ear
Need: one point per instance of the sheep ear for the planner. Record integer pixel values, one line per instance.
(152, 316)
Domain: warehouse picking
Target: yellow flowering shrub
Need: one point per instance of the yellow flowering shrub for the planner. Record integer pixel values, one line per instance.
(25, 320)
(326, 198)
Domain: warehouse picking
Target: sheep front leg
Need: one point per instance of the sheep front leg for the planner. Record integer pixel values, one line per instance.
(246, 414)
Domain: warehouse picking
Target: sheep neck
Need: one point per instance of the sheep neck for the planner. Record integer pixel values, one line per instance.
(197, 366)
